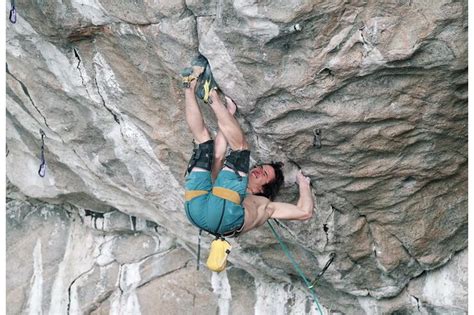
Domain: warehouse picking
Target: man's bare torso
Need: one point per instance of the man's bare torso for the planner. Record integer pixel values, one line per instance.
(255, 211)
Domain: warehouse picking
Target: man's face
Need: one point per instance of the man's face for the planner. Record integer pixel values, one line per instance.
(261, 175)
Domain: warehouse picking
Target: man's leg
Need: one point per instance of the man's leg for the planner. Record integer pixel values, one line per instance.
(220, 148)
(231, 185)
(201, 160)
(194, 115)
(228, 124)
(220, 143)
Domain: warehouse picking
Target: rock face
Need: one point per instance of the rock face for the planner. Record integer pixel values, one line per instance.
(76, 270)
(369, 99)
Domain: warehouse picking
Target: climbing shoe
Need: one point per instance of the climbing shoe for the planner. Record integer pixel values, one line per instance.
(198, 64)
(206, 85)
(199, 61)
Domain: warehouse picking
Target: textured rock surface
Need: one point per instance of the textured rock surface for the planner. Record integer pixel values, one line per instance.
(69, 268)
(386, 84)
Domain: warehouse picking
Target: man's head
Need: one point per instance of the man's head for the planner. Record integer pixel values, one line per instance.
(266, 179)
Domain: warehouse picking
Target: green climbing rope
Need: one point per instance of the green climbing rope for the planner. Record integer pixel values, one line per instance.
(297, 267)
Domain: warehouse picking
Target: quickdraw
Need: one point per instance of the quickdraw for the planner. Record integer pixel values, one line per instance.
(42, 168)
(12, 16)
(297, 268)
(328, 263)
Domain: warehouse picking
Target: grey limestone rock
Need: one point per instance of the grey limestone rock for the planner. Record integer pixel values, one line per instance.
(368, 98)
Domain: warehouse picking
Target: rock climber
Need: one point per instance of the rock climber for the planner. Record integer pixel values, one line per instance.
(239, 199)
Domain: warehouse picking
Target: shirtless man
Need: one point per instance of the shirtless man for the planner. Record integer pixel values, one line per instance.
(240, 199)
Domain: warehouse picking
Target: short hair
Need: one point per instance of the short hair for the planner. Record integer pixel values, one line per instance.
(271, 189)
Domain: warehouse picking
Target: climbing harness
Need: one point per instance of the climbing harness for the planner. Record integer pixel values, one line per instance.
(297, 267)
(203, 156)
(42, 168)
(328, 263)
(238, 161)
(12, 16)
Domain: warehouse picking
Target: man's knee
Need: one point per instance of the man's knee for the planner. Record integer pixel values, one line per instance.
(238, 160)
(241, 145)
(219, 158)
(203, 136)
(244, 146)
(203, 156)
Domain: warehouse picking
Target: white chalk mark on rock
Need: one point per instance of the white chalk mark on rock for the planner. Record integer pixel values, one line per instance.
(127, 302)
(36, 294)
(221, 287)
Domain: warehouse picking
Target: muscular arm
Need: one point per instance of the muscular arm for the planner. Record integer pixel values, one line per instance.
(303, 210)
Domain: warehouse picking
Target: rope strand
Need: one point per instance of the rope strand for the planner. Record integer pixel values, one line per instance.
(297, 268)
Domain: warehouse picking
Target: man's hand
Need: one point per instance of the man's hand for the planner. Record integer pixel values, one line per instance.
(303, 181)
(303, 210)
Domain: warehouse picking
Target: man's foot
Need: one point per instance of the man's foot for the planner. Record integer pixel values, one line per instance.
(206, 85)
(187, 77)
(230, 104)
(198, 65)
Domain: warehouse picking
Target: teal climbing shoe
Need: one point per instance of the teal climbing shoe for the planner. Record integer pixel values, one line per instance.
(206, 85)
(198, 64)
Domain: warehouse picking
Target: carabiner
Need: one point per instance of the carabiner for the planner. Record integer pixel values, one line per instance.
(328, 263)
(42, 168)
(12, 16)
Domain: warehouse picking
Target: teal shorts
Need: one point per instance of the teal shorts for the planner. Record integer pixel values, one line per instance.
(209, 208)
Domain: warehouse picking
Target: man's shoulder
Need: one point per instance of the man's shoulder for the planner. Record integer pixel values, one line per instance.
(255, 197)
(252, 201)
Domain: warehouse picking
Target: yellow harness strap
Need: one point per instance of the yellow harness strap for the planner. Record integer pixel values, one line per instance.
(227, 194)
(190, 194)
